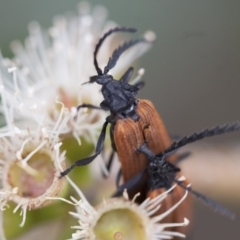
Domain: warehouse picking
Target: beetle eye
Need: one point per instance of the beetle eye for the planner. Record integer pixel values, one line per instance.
(93, 79)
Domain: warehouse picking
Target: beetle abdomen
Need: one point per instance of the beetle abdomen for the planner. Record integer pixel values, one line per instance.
(154, 130)
(129, 135)
(184, 210)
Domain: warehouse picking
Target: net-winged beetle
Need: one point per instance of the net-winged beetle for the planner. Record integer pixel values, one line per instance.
(162, 174)
(133, 121)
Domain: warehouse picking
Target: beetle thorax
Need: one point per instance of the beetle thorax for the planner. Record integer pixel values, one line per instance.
(119, 98)
(104, 79)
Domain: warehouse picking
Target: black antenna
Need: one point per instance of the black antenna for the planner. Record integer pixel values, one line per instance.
(117, 53)
(101, 40)
(203, 134)
(212, 204)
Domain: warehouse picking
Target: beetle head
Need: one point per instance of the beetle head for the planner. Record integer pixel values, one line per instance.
(102, 79)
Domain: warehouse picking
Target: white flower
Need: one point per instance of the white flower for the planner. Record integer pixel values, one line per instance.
(30, 166)
(40, 89)
(121, 218)
(30, 162)
(52, 66)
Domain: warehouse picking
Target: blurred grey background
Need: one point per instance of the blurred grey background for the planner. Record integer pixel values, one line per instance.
(192, 71)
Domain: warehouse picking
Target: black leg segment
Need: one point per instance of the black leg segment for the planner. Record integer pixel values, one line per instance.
(88, 160)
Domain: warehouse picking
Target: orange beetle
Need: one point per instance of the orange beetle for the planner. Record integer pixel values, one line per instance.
(161, 174)
(132, 121)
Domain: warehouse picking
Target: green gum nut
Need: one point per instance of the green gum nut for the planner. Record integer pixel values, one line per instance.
(80, 175)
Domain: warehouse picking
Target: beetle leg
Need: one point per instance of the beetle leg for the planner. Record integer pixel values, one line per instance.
(104, 105)
(127, 75)
(110, 160)
(109, 163)
(140, 85)
(130, 184)
(87, 160)
(114, 149)
(85, 105)
(118, 178)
